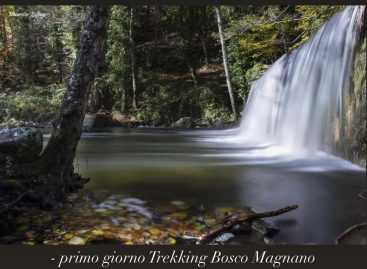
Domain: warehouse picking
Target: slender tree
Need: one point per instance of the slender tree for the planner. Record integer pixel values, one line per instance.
(225, 62)
(203, 28)
(58, 51)
(187, 26)
(28, 57)
(133, 56)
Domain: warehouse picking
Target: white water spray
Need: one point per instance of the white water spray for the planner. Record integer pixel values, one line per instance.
(297, 103)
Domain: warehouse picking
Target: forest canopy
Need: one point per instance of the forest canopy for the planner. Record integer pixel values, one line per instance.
(161, 63)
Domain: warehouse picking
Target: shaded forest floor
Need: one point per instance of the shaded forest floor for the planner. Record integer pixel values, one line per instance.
(166, 98)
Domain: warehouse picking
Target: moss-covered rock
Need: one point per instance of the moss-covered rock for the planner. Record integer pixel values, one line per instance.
(184, 123)
(353, 133)
(20, 145)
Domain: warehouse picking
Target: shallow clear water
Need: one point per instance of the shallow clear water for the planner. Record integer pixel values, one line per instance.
(211, 168)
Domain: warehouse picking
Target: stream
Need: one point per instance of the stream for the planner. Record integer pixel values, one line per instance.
(209, 168)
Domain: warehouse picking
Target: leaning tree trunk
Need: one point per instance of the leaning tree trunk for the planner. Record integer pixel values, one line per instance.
(57, 159)
(225, 62)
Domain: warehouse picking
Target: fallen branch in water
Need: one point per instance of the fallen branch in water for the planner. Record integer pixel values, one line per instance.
(229, 225)
(348, 231)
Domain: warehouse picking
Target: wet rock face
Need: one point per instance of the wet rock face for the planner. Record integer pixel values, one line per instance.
(353, 136)
(20, 145)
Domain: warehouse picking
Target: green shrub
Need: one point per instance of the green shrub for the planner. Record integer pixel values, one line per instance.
(213, 113)
(164, 105)
(33, 105)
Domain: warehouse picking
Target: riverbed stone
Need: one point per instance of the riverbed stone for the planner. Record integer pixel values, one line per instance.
(184, 123)
(20, 145)
(76, 240)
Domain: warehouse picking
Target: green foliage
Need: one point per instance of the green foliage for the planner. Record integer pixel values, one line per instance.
(176, 51)
(259, 36)
(215, 113)
(34, 105)
(39, 48)
(213, 103)
(157, 102)
(311, 18)
(252, 74)
(117, 57)
(354, 124)
(165, 102)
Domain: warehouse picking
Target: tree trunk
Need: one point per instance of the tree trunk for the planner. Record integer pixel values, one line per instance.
(78, 26)
(133, 56)
(93, 100)
(3, 29)
(194, 74)
(124, 110)
(203, 30)
(205, 50)
(59, 51)
(4, 37)
(27, 39)
(57, 159)
(225, 62)
(190, 63)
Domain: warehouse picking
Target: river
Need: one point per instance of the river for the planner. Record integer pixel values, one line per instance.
(209, 168)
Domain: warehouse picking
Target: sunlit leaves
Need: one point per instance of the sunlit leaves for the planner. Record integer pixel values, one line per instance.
(173, 222)
(259, 36)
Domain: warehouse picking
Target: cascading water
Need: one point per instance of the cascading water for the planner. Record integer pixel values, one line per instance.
(297, 103)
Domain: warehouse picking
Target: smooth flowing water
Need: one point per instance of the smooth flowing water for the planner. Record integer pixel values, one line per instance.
(165, 164)
(298, 103)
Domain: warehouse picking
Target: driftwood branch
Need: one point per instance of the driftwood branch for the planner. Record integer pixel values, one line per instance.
(349, 231)
(229, 225)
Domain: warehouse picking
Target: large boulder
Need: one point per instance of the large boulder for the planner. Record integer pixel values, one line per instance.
(20, 145)
(184, 123)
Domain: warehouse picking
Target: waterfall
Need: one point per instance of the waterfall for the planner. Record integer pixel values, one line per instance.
(297, 104)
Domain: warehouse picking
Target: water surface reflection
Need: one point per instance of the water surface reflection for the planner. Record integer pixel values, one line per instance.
(207, 167)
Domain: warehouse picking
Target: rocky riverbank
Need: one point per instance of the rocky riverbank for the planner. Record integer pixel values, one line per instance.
(107, 119)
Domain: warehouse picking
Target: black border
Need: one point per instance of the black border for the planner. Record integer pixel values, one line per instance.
(182, 2)
(335, 257)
